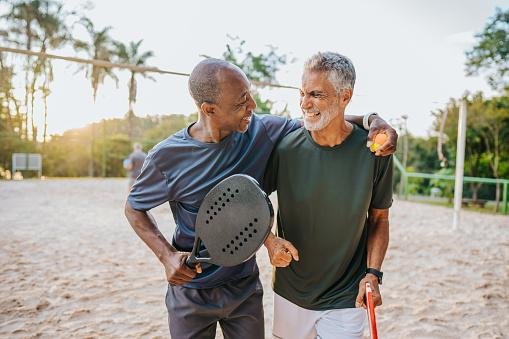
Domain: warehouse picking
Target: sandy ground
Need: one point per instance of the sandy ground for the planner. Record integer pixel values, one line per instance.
(70, 266)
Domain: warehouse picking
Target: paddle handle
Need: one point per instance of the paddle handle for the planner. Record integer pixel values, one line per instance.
(194, 258)
(370, 306)
(191, 261)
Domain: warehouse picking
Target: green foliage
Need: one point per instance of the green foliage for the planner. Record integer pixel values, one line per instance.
(10, 142)
(486, 149)
(111, 150)
(67, 155)
(422, 154)
(486, 137)
(491, 52)
(446, 186)
(99, 148)
(35, 25)
(417, 186)
(166, 126)
(10, 119)
(261, 68)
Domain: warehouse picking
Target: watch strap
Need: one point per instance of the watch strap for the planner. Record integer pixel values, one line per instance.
(375, 272)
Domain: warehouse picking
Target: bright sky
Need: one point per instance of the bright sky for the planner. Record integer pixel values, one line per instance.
(409, 55)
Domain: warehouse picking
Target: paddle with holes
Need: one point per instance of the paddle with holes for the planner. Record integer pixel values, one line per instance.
(233, 221)
(370, 306)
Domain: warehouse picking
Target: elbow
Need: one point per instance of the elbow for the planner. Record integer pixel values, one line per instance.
(133, 216)
(128, 210)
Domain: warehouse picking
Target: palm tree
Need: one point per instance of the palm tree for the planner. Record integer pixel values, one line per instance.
(7, 96)
(23, 16)
(132, 55)
(36, 24)
(100, 47)
(55, 34)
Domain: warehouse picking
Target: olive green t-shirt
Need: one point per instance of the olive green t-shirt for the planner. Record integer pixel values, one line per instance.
(324, 194)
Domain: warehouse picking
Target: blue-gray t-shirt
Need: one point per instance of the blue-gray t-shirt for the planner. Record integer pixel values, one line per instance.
(182, 170)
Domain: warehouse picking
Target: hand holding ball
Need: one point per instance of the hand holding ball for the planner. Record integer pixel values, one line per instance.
(380, 139)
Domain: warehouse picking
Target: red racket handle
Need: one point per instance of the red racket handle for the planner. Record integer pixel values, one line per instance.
(370, 306)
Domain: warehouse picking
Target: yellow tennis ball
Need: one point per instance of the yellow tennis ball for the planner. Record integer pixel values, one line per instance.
(380, 139)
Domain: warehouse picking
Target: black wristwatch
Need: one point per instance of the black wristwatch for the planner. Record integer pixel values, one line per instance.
(377, 273)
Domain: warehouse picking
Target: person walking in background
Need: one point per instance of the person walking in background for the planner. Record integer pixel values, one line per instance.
(133, 164)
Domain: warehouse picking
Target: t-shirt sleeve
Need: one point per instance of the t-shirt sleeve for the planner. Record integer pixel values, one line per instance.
(278, 127)
(150, 189)
(382, 188)
(270, 177)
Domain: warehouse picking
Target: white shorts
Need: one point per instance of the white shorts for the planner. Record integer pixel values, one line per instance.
(294, 322)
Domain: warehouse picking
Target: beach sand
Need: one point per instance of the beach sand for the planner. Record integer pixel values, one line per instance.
(71, 266)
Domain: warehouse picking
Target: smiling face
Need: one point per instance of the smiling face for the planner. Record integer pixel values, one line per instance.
(319, 100)
(235, 105)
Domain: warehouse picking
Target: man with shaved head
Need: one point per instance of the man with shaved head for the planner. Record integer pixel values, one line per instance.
(227, 139)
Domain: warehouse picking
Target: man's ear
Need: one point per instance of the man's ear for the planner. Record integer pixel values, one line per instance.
(208, 108)
(346, 96)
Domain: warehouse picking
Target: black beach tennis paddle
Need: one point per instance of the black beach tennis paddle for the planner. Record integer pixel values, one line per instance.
(233, 221)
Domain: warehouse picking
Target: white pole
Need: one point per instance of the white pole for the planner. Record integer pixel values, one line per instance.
(460, 161)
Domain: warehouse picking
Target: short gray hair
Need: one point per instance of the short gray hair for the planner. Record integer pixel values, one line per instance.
(204, 83)
(339, 69)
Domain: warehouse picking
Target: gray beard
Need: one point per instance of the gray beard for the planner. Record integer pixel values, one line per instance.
(326, 117)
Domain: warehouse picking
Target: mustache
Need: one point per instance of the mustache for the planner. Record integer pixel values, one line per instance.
(311, 111)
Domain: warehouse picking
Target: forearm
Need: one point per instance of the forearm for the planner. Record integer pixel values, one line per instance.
(145, 227)
(354, 119)
(378, 239)
(357, 119)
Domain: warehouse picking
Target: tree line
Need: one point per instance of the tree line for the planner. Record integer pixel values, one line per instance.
(487, 134)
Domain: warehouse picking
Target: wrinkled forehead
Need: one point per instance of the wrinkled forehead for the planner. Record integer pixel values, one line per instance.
(313, 80)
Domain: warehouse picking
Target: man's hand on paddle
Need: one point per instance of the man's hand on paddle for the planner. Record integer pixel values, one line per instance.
(380, 126)
(174, 262)
(360, 301)
(281, 252)
(177, 272)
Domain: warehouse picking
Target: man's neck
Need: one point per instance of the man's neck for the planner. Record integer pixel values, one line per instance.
(205, 132)
(334, 134)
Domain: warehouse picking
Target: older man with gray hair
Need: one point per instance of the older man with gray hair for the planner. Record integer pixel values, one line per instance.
(334, 197)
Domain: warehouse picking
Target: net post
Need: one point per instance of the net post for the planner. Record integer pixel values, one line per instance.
(504, 198)
(406, 185)
(460, 161)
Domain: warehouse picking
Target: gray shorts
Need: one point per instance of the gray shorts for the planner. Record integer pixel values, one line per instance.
(237, 306)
